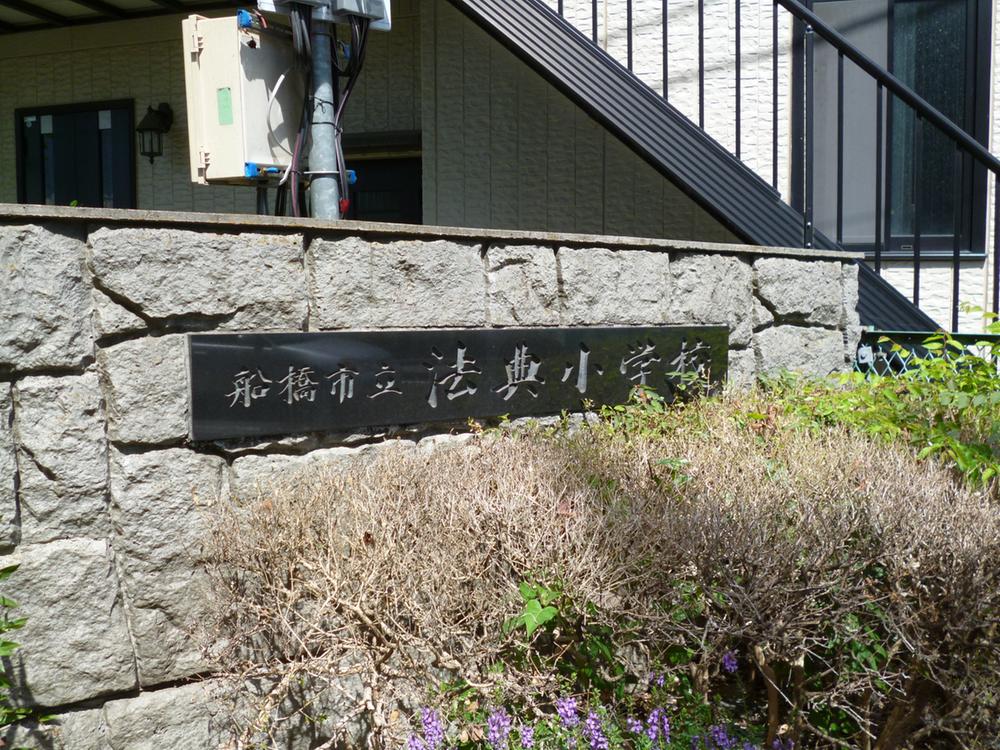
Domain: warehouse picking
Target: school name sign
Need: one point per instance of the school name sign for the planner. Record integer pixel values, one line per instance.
(264, 384)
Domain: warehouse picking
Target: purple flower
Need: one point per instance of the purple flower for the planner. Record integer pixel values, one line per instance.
(594, 732)
(527, 736)
(721, 737)
(780, 744)
(658, 726)
(633, 725)
(415, 743)
(498, 728)
(750, 746)
(433, 731)
(729, 662)
(566, 708)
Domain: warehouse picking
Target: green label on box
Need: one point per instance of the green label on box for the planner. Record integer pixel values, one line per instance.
(224, 98)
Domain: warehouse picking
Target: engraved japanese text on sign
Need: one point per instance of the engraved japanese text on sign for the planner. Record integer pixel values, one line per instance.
(260, 384)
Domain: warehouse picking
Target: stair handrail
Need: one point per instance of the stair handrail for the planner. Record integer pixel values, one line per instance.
(923, 108)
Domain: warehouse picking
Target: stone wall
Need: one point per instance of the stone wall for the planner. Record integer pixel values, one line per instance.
(104, 500)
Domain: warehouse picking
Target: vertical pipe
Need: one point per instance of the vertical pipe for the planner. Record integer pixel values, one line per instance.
(918, 137)
(593, 20)
(666, 50)
(774, 94)
(878, 178)
(840, 148)
(561, 8)
(324, 191)
(808, 155)
(738, 92)
(701, 64)
(956, 243)
(628, 30)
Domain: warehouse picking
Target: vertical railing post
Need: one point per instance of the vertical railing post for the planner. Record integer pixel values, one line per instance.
(593, 20)
(774, 94)
(808, 145)
(666, 50)
(840, 148)
(701, 64)
(628, 31)
(918, 136)
(878, 178)
(996, 243)
(739, 97)
(956, 243)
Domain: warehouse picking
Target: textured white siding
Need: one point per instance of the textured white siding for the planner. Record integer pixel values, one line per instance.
(756, 78)
(502, 148)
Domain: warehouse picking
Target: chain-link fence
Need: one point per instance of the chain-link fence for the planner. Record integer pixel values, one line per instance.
(896, 352)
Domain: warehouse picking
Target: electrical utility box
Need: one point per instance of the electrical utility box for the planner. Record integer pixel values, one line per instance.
(244, 99)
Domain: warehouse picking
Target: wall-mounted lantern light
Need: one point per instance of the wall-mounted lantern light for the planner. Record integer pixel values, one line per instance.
(151, 129)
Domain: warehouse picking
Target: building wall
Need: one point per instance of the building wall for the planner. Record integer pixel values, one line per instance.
(105, 502)
(143, 60)
(503, 148)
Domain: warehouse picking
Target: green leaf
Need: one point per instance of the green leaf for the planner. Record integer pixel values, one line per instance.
(5, 573)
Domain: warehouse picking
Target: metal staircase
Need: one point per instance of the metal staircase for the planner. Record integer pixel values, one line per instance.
(680, 149)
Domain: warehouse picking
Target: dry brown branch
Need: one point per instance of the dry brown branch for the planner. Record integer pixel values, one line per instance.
(390, 577)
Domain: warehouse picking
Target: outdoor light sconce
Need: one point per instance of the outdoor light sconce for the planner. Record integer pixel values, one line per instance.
(151, 129)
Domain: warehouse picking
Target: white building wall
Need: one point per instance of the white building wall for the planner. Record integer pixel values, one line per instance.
(756, 85)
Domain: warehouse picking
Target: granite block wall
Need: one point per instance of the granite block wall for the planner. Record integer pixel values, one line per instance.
(104, 501)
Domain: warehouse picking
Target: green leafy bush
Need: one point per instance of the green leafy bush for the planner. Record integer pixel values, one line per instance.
(946, 405)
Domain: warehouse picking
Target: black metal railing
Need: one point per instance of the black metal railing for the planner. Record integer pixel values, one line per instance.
(892, 99)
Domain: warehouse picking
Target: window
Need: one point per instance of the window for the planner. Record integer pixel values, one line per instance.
(940, 48)
(77, 154)
(389, 169)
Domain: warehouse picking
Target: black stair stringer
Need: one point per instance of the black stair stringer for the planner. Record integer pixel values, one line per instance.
(666, 139)
(640, 118)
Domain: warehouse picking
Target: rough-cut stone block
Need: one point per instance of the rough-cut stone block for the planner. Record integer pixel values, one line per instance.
(79, 730)
(742, 368)
(147, 389)
(159, 502)
(253, 475)
(801, 291)
(246, 280)
(44, 300)
(713, 290)
(75, 644)
(356, 283)
(62, 454)
(811, 351)
(111, 318)
(523, 286)
(852, 321)
(762, 317)
(605, 287)
(8, 470)
(185, 718)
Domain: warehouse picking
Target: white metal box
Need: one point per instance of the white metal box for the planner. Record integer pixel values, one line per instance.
(244, 100)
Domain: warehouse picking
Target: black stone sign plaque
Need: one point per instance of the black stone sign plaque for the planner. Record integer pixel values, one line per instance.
(261, 384)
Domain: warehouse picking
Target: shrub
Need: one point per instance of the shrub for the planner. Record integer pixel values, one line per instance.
(856, 590)
(946, 405)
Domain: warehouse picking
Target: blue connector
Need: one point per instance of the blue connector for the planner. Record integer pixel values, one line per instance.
(244, 19)
(251, 170)
(352, 177)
